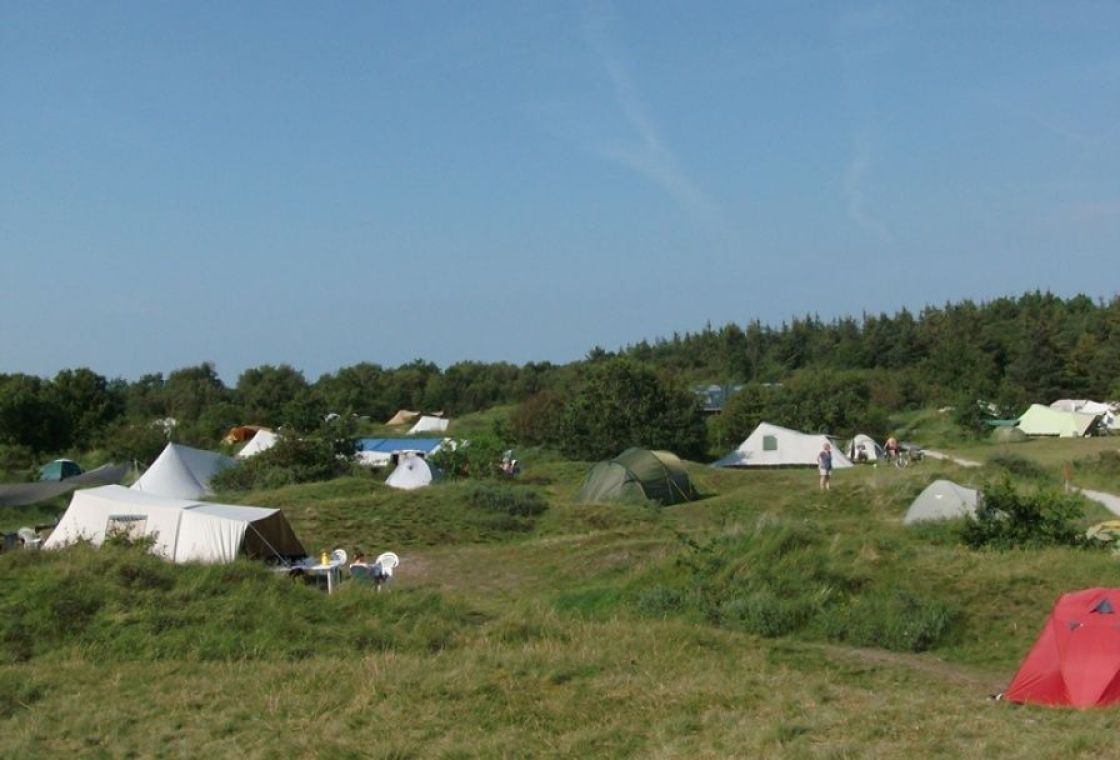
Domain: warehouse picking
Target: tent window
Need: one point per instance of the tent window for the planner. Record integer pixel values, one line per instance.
(1104, 607)
(131, 527)
(769, 443)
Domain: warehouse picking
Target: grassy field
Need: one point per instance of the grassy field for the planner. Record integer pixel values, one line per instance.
(765, 619)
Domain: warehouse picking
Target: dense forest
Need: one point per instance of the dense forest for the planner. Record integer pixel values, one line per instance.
(838, 376)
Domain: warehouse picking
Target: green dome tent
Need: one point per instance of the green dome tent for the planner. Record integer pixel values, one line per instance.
(59, 469)
(638, 475)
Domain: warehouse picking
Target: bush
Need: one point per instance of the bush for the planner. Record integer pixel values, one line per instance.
(1019, 467)
(894, 619)
(478, 458)
(1106, 463)
(782, 579)
(1009, 519)
(517, 502)
(291, 460)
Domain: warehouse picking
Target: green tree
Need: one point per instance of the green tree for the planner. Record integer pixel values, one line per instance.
(264, 393)
(620, 402)
(31, 416)
(88, 402)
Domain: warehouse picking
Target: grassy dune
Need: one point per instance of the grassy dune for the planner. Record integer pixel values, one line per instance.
(767, 618)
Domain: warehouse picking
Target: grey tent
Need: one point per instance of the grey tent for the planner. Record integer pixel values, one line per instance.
(638, 475)
(942, 500)
(1009, 434)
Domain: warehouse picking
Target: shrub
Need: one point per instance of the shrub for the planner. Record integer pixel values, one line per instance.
(1105, 463)
(1007, 519)
(291, 460)
(517, 502)
(1019, 467)
(780, 579)
(894, 619)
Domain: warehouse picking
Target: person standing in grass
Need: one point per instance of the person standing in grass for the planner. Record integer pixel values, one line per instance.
(824, 466)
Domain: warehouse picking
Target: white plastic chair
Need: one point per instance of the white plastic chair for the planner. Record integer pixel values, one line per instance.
(383, 568)
(339, 557)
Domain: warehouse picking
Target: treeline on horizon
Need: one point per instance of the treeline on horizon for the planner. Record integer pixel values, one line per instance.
(1008, 351)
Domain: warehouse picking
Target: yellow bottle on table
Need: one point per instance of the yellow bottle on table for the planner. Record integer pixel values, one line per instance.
(324, 559)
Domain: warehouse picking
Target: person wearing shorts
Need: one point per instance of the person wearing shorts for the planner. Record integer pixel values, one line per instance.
(824, 466)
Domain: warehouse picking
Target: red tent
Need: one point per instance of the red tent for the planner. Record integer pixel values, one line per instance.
(1076, 660)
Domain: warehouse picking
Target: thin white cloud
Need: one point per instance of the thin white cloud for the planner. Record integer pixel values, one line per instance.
(645, 152)
(855, 197)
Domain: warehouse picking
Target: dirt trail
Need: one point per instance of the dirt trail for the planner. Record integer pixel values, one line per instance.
(1111, 502)
(955, 460)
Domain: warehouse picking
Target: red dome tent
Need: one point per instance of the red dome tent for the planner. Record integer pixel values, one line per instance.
(1076, 660)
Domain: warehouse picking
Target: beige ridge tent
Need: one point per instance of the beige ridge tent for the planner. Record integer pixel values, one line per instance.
(182, 530)
(403, 417)
(1042, 420)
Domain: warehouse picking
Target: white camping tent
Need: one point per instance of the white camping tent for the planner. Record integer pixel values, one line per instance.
(863, 448)
(774, 446)
(1108, 412)
(412, 471)
(262, 441)
(181, 472)
(942, 500)
(183, 530)
(429, 424)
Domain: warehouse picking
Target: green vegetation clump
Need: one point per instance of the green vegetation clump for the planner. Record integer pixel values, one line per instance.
(1008, 518)
(784, 578)
(1106, 464)
(1019, 467)
(510, 500)
(120, 603)
(292, 460)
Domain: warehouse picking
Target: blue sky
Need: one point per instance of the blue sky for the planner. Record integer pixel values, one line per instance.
(321, 184)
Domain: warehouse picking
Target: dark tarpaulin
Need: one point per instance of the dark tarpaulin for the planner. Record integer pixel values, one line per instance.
(22, 494)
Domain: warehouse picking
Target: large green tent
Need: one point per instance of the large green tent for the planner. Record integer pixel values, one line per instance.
(638, 475)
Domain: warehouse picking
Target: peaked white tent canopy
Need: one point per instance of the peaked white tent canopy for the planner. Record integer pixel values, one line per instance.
(181, 472)
(429, 424)
(412, 471)
(183, 530)
(774, 446)
(942, 500)
(263, 440)
(1042, 420)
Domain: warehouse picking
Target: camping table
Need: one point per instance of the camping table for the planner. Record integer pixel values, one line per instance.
(333, 571)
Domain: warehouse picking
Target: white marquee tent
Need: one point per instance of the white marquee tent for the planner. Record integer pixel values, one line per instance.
(774, 446)
(183, 530)
(1108, 412)
(181, 472)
